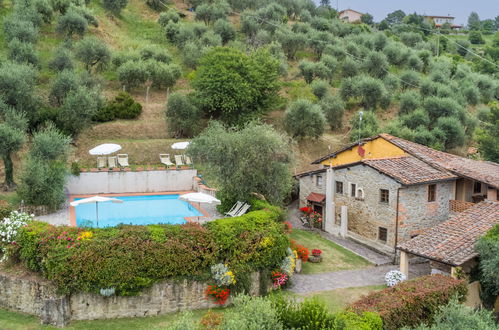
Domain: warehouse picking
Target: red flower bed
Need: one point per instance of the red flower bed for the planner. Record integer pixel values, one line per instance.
(301, 250)
(316, 252)
(306, 209)
(279, 279)
(410, 303)
(217, 294)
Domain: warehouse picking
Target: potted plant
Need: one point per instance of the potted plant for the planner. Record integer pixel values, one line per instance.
(316, 256)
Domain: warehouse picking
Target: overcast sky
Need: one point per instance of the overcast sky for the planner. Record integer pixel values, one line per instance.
(458, 8)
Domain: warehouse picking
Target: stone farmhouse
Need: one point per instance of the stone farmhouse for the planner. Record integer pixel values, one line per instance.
(350, 15)
(385, 190)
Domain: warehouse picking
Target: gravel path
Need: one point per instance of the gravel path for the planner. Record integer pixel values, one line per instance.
(350, 278)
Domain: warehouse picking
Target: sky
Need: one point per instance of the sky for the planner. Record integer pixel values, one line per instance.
(458, 8)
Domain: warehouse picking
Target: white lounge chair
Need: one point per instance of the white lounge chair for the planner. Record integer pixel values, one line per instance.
(123, 160)
(112, 162)
(242, 210)
(178, 161)
(101, 162)
(165, 159)
(235, 209)
(188, 161)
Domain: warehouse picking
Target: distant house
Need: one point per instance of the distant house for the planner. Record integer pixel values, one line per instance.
(440, 20)
(393, 190)
(350, 15)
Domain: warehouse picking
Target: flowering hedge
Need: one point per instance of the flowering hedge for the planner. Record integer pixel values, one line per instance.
(412, 302)
(130, 258)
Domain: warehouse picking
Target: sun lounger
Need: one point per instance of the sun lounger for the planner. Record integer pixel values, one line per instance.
(112, 162)
(178, 161)
(242, 210)
(235, 209)
(123, 160)
(101, 162)
(188, 161)
(165, 159)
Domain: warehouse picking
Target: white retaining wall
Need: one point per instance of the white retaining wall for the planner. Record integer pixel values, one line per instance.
(128, 182)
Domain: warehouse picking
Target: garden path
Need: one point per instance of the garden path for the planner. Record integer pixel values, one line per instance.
(350, 278)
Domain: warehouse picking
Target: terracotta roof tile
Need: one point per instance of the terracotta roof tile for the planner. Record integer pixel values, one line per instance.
(452, 242)
(483, 171)
(409, 170)
(315, 197)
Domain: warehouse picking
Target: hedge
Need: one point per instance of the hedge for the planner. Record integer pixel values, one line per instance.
(410, 303)
(130, 258)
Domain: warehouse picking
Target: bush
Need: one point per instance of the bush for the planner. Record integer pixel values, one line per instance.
(376, 64)
(411, 38)
(411, 302)
(5, 209)
(122, 107)
(475, 37)
(333, 108)
(23, 52)
(410, 79)
(310, 314)
(488, 248)
(251, 313)
(61, 60)
(71, 24)
(442, 107)
(304, 119)
(17, 28)
(167, 17)
(130, 258)
(77, 111)
(353, 321)
(320, 88)
(183, 117)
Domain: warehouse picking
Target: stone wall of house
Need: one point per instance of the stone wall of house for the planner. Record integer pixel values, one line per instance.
(416, 213)
(366, 214)
(38, 297)
(308, 184)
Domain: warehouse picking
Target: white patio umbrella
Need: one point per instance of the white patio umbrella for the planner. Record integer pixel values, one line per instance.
(199, 198)
(180, 145)
(96, 199)
(105, 149)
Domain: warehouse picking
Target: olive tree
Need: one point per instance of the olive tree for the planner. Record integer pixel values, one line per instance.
(320, 88)
(71, 24)
(376, 64)
(19, 28)
(163, 75)
(133, 74)
(304, 119)
(333, 108)
(77, 111)
(254, 159)
(93, 53)
(114, 6)
(23, 52)
(61, 60)
(362, 128)
(225, 30)
(13, 127)
(409, 101)
(182, 116)
(454, 131)
(370, 90)
(65, 82)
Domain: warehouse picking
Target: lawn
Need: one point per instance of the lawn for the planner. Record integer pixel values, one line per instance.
(335, 257)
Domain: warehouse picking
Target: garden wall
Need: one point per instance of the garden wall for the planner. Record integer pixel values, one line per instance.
(38, 297)
(108, 182)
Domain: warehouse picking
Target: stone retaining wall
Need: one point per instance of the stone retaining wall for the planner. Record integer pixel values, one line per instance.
(38, 297)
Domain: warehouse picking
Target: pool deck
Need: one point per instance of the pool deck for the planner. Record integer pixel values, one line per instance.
(67, 215)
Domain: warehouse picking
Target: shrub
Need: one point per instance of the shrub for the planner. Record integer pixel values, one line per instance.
(320, 88)
(411, 302)
(376, 64)
(61, 60)
(411, 38)
(17, 28)
(77, 111)
(167, 17)
(352, 321)
(122, 107)
(251, 313)
(310, 314)
(442, 107)
(416, 119)
(349, 68)
(304, 119)
(5, 209)
(155, 53)
(23, 52)
(182, 116)
(333, 108)
(488, 248)
(475, 37)
(410, 79)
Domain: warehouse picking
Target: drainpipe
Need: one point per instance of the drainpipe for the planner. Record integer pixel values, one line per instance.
(396, 225)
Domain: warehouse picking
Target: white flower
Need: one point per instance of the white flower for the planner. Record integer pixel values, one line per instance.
(394, 277)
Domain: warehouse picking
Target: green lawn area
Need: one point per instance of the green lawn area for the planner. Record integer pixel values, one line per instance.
(334, 256)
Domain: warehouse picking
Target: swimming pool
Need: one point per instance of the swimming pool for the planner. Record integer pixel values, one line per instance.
(136, 210)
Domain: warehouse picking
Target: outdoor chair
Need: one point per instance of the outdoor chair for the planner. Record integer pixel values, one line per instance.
(188, 161)
(178, 161)
(304, 222)
(235, 209)
(123, 160)
(112, 162)
(101, 162)
(165, 159)
(242, 210)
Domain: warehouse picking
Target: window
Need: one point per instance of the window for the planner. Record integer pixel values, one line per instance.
(353, 189)
(432, 192)
(384, 195)
(318, 181)
(477, 187)
(382, 234)
(339, 187)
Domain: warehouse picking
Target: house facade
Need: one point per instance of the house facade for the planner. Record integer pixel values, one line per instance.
(350, 15)
(393, 189)
(440, 20)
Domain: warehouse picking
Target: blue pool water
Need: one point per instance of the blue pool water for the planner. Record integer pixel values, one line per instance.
(136, 210)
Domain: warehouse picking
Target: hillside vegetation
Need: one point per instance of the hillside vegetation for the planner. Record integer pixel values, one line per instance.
(295, 66)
